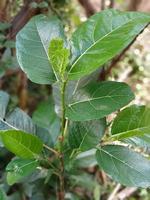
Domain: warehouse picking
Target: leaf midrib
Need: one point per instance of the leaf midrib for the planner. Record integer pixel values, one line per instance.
(96, 98)
(5, 122)
(126, 132)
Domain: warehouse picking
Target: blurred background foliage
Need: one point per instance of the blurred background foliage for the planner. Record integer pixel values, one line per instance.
(131, 66)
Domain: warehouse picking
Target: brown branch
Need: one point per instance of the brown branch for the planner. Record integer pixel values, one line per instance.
(88, 6)
(22, 90)
(102, 4)
(112, 4)
(22, 18)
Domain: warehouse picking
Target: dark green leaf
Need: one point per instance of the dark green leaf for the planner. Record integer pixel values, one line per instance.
(101, 37)
(86, 135)
(124, 166)
(32, 47)
(132, 121)
(19, 168)
(97, 100)
(59, 57)
(46, 118)
(22, 144)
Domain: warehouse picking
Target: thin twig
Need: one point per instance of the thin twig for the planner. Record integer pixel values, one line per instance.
(114, 192)
(51, 149)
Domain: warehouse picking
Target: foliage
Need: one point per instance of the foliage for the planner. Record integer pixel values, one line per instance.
(47, 57)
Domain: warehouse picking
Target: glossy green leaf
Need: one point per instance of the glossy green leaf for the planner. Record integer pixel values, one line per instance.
(132, 121)
(124, 165)
(101, 37)
(32, 44)
(97, 100)
(19, 168)
(58, 57)
(86, 135)
(22, 144)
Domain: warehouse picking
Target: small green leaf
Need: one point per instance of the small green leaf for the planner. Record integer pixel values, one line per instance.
(32, 44)
(97, 100)
(18, 169)
(86, 135)
(58, 57)
(124, 166)
(101, 37)
(130, 122)
(22, 144)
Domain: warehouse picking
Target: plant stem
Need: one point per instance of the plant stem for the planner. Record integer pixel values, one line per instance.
(62, 187)
(63, 86)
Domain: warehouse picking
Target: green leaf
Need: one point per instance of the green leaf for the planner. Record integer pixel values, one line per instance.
(22, 144)
(132, 121)
(16, 119)
(86, 159)
(59, 57)
(46, 118)
(86, 135)
(97, 100)
(32, 44)
(101, 37)
(4, 99)
(18, 169)
(124, 166)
